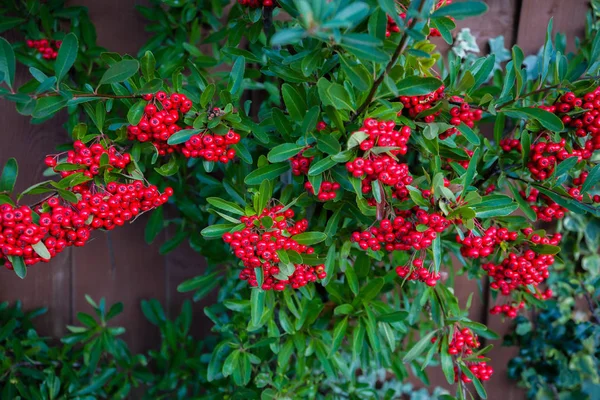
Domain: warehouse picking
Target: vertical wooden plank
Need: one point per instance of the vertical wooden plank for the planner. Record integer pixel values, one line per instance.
(569, 18)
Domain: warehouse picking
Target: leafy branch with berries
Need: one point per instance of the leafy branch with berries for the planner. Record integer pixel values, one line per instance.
(336, 172)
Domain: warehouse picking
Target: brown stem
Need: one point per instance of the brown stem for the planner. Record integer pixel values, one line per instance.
(543, 90)
(399, 50)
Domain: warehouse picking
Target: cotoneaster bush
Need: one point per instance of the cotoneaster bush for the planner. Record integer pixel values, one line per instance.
(327, 166)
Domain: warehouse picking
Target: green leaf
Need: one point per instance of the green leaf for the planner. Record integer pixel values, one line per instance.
(396, 316)
(338, 335)
(207, 95)
(447, 363)
(9, 176)
(257, 300)
(270, 171)
(469, 134)
(182, 136)
(8, 63)
(471, 170)
(41, 250)
(365, 47)
(476, 382)
(120, 71)
(525, 207)
(419, 347)
(10, 22)
(197, 283)
(357, 73)
(148, 64)
(18, 265)
(217, 230)
(67, 54)
(309, 238)
(461, 10)
(48, 105)
(294, 102)
(352, 279)
(237, 75)
(547, 119)
(284, 152)
(371, 289)
(155, 225)
(287, 36)
(321, 166)
(417, 86)
(225, 205)
(593, 177)
(136, 112)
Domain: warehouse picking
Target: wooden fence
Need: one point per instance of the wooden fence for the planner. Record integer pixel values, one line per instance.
(120, 266)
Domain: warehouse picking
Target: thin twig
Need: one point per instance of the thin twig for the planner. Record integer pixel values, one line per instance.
(399, 50)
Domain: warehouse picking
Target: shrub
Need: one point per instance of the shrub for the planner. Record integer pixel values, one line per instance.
(328, 167)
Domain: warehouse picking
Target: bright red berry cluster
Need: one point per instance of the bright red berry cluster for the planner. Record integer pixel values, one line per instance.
(473, 246)
(118, 202)
(545, 208)
(47, 48)
(545, 155)
(258, 3)
(383, 168)
(256, 246)
(327, 191)
(158, 125)
(300, 164)
(587, 123)
(461, 114)
(41, 233)
(89, 158)
(410, 229)
(522, 268)
(415, 105)
(384, 134)
(418, 273)
(508, 145)
(510, 310)
(463, 342)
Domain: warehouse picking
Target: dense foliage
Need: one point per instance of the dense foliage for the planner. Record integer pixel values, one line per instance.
(328, 167)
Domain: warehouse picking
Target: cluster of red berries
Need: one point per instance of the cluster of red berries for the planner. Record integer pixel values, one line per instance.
(545, 155)
(47, 48)
(418, 272)
(461, 114)
(463, 342)
(586, 123)
(510, 310)
(482, 246)
(545, 208)
(59, 224)
(300, 164)
(256, 246)
(519, 270)
(383, 168)
(118, 202)
(462, 163)
(410, 229)
(58, 227)
(211, 147)
(327, 191)
(508, 145)
(384, 134)
(90, 159)
(415, 105)
(392, 27)
(157, 126)
(258, 3)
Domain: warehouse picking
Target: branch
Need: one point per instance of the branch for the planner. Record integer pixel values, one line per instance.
(399, 50)
(544, 90)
